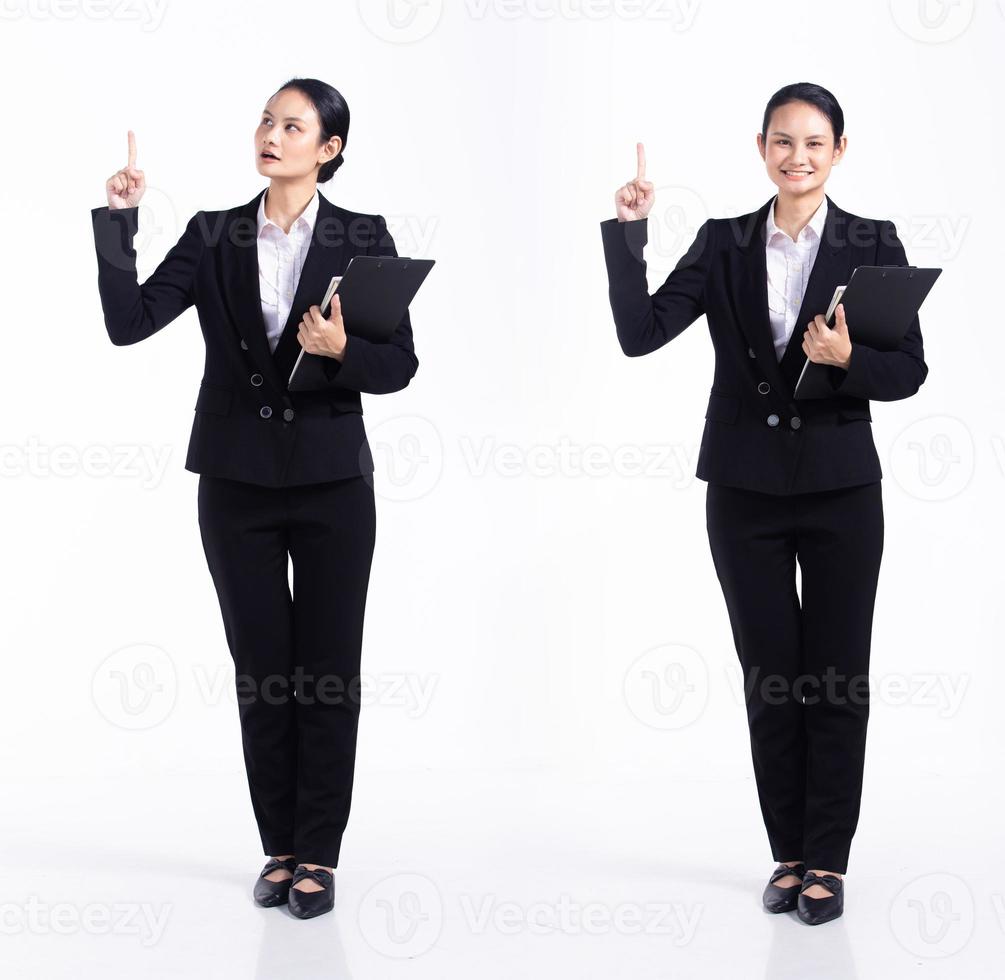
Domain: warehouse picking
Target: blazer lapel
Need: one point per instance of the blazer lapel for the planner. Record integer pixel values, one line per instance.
(242, 296)
(829, 270)
(323, 260)
(750, 290)
(239, 286)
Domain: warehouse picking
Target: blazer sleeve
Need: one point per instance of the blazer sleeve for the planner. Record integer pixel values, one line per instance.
(645, 323)
(376, 368)
(885, 375)
(132, 311)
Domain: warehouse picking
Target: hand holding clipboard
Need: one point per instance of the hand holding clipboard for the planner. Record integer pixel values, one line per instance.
(880, 302)
(373, 295)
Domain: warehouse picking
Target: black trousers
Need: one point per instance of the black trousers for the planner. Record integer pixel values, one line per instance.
(805, 658)
(296, 657)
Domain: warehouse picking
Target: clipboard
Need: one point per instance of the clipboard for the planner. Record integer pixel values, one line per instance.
(374, 292)
(881, 302)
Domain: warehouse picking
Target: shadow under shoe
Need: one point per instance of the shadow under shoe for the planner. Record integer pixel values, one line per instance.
(271, 893)
(779, 899)
(813, 911)
(305, 905)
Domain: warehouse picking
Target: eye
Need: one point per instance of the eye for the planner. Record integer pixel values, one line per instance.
(291, 124)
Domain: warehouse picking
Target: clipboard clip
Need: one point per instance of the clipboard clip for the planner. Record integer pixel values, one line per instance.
(910, 275)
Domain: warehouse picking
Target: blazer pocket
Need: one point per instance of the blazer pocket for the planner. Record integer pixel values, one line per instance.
(854, 412)
(214, 399)
(722, 408)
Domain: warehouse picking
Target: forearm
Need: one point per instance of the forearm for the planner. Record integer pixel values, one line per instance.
(132, 312)
(645, 323)
(372, 368)
(880, 375)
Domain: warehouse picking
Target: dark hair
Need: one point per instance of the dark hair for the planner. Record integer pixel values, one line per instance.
(816, 95)
(333, 113)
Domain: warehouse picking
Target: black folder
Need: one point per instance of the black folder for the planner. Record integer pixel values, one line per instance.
(374, 293)
(880, 303)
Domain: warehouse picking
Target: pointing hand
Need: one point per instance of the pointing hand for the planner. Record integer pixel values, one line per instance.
(635, 200)
(125, 188)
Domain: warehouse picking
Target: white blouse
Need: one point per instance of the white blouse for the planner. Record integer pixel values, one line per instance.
(280, 262)
(788, 265)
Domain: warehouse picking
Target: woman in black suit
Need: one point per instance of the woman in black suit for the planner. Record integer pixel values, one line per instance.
(787, 480)
(284, 475)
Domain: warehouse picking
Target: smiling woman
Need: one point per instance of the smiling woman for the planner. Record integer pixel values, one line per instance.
(801, 139)
(787, 481)
(283, 476)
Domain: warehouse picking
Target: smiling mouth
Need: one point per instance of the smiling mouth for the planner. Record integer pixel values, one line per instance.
(796, 173)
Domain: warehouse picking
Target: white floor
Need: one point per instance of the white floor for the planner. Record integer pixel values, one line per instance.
(454, 874)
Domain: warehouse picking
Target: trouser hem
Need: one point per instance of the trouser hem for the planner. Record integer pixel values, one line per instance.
(833, 863)
(277, 846)
(327, 856)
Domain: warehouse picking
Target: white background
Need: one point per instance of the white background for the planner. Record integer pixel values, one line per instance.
(523, 751)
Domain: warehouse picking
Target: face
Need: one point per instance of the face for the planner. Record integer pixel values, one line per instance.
(290, 130)
(800, 149)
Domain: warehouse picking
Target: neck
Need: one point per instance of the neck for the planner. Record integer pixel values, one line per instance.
(793, 213)
(286, 200)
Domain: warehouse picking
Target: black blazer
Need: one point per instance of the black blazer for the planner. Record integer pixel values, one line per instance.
(248, 426)
(756, 434)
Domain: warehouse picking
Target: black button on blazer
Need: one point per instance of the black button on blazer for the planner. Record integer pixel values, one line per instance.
(756, 435)
(248, 426)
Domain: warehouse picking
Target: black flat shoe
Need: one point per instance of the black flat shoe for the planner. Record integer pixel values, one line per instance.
(813, 911)
(778, 899)
(272, 893)
(305, 905)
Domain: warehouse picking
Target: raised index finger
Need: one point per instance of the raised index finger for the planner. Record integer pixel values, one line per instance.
(132, 149)
(641, 154)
